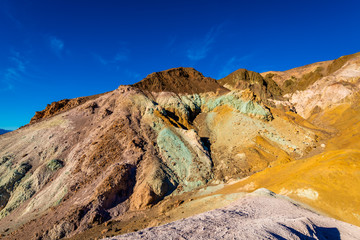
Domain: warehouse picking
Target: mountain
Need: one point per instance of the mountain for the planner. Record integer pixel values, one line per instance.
(164, 148)
(244, 79)
(2, 131)
(318, 86)
(179, 80)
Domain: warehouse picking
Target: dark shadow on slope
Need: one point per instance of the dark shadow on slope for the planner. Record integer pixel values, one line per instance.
(194, 114)
(327, 233)
(321, 233)
(122, 190)
(206, 144)
(174, 119)
(172, 115)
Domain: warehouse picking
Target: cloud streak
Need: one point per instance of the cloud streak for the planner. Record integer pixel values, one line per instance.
(233, 64)
(119, 57)
(15, 72)
(57, 45)
(5, 8)
(199, 48)
(170, 45)
(100, 59)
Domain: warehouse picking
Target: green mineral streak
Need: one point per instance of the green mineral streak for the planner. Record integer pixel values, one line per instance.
(11, 180)
(61, 197)
(10, 183)
(181, 160)
(155, 122)
(232, 100)
(176, 153)
(55, 164)
(5, 159)
(190, 185)
(193, 102)
(23, 193)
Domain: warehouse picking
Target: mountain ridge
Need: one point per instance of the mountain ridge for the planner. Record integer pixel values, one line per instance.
(178, 80)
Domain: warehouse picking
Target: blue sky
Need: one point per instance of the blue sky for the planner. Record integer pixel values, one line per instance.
(52, 50)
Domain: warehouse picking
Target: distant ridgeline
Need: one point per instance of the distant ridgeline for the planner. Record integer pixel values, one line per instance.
(2, 131)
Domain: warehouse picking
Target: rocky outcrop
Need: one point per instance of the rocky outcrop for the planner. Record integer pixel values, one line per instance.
(179, 80)
(243, 79)
(56, 107)
(11, 181)
(341, 81)
(61, 106)
(186, 157)
(300, 78)
(257, 216)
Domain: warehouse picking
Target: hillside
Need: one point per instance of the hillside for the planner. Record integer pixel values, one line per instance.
(164, 148)
(319, 86)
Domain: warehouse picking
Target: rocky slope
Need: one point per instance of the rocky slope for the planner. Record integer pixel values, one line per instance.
(328, 181)
(117, 162)
(319, 86)
(60, 106)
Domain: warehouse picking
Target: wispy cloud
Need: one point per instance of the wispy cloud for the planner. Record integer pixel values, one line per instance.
(56, 45)
(15, 72)
(170, 45)
(6, 10)
(17, 23)
(199, 48)
(233, 64)
(171, 42)
(120, 56)
(132, 76)
(100, 59)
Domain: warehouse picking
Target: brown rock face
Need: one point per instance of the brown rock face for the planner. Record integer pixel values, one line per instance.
(56, 107)
(60, 106)
(244, 79)
(179, 80)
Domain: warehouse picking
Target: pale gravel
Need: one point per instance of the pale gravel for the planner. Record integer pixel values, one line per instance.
(256, 216)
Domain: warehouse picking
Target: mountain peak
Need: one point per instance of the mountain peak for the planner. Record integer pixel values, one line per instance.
(243, 79)
(179, 80)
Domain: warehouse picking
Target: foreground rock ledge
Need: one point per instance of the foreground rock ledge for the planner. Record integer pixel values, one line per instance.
(260, 215)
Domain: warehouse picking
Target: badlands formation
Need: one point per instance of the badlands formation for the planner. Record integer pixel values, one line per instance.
(274, 155)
